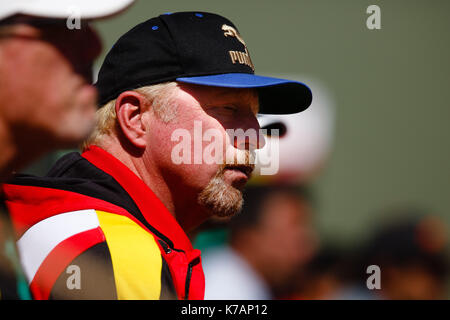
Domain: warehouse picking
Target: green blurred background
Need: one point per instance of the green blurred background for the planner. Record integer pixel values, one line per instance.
(391, 91)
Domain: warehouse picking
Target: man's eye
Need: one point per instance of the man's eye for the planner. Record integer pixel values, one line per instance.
(223, 111)
(230, 108)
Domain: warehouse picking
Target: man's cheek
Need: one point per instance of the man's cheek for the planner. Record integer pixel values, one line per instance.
(198, 145)
(198, 176)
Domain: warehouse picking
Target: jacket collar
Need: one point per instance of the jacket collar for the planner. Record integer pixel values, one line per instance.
(153, 210)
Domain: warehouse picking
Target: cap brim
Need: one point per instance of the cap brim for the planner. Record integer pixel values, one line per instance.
(63, 9)
(276, 96)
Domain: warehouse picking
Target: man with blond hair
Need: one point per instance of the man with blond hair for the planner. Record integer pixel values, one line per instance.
(112, 223)
(47, 49)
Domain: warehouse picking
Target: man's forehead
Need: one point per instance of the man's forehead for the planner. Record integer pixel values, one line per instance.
(236, 92)
(233, 95)
(242, 95)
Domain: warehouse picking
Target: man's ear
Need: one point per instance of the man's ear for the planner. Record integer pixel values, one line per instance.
(130, 107)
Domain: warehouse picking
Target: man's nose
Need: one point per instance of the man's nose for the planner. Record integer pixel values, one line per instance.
(248, 136)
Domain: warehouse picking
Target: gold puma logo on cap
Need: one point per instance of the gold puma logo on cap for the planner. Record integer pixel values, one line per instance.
(238, 56)
(232, 32)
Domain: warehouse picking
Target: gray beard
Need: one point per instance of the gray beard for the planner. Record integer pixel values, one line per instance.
(221, 199)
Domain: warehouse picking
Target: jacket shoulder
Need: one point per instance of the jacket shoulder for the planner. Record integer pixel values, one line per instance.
(91, 254)
(136, 258)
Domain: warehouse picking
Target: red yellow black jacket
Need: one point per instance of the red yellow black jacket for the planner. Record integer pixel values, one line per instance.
(91, 229)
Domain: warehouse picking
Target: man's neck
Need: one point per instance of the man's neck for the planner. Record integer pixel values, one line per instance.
(8, 154)
(183, 208)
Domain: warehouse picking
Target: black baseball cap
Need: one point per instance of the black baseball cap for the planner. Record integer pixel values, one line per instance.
(198, 48)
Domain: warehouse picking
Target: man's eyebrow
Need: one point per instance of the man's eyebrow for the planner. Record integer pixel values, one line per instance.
(253, 101)
(255, 107)
(247, 97)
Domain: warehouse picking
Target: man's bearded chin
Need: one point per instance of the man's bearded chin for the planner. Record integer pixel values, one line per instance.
(222, 200)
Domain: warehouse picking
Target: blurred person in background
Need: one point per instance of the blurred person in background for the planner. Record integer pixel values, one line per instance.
(270, 239)
(412, 255)
(410, 248)
(322, 277)
(46, 97)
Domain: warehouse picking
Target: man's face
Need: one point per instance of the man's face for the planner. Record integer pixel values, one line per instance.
(46, 94)
(203, 116)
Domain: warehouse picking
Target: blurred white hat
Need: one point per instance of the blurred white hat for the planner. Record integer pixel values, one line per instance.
(305, 140)
(87, 9)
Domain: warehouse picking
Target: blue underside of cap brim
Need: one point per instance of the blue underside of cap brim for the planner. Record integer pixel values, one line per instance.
(276, 96)
(237, 80)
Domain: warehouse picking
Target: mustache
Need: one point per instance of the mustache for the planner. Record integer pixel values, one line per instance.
(242, 161)
(246, 169)
(241, 157)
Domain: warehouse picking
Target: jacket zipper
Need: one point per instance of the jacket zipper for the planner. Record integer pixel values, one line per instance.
(189, 276)
(191, 265)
